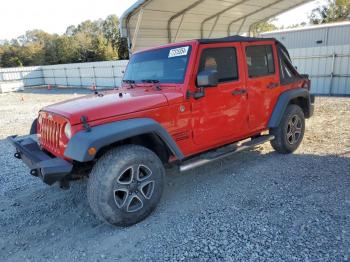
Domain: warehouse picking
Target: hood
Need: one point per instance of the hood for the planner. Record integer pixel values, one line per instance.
(108, 104)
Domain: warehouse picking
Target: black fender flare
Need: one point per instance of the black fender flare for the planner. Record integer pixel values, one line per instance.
(107, 134)
(283, 101)
(33, 127)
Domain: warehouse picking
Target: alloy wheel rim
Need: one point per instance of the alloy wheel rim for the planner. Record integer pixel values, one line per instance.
(294, 129)
(134, 187)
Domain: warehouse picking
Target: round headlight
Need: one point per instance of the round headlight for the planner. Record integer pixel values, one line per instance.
(68, 131)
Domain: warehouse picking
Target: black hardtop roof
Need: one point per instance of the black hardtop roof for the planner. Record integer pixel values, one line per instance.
(239, 38)
(234, 38)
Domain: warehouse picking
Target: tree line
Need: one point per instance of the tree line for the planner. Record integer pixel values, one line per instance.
(100, 40)
(89, 41)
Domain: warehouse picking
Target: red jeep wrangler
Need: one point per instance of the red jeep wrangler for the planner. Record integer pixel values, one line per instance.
(176, 102)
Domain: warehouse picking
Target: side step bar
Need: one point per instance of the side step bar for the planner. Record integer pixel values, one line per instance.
(199, 161)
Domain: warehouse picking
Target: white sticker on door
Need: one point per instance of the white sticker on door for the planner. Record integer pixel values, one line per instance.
(181, 51)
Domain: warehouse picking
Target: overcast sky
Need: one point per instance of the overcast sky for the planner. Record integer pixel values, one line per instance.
(54, 16)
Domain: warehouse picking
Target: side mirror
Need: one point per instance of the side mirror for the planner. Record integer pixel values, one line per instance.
(207, 78)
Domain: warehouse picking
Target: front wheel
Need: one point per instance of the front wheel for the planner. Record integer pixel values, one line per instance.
(290, 132)
(125, 185)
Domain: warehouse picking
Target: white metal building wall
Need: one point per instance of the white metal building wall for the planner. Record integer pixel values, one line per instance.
(323, 52)
(313, 36)
(328, 67)
(12, 79)
(102, 74)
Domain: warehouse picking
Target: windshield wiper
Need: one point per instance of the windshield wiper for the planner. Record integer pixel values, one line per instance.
(152, 81)
(130, 82)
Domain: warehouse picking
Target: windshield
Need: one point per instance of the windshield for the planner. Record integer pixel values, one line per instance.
(165, 65)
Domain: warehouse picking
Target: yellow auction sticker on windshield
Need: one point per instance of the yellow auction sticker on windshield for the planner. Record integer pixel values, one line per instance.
(181, 51)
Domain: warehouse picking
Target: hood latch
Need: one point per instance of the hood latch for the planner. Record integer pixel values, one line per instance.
(85, 123)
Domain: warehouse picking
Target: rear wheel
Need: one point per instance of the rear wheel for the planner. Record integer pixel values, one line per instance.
(290, 132)
(125, 185)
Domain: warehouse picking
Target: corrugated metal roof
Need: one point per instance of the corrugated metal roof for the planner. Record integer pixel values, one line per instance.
(149, 23)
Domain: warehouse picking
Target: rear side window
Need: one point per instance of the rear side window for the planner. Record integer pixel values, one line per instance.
(260, 60)
(223, 60)
(287, 70)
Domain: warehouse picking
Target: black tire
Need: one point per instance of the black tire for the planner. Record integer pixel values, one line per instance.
(33, 128)
(125, 185)
(290, 132)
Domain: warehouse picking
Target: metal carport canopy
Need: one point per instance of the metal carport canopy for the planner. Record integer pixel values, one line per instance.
(149, 23)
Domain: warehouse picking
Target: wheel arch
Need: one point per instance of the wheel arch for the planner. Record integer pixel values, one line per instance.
(302, 102)
(149, 140)
(33, 127)
(140, 131)
(300, 97)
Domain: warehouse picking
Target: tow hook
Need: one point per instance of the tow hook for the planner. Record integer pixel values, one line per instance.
(17, 155)
(34, 172)
(64, 184)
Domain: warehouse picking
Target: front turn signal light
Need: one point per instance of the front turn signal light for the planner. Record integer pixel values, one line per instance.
(92, 151)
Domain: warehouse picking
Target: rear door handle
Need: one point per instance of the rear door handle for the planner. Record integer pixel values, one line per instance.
(239, 92)
(272, 85)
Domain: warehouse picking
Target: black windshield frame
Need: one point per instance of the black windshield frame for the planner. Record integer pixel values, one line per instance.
(162, 55)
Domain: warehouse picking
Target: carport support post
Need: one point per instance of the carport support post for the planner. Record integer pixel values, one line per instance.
(182, 12)
(65, 74)
(54, 76)
(94, 75)
(179, 27)
(136, 32)
(113, 76)
(21, 76)
(212, 28)
(79, 72)
(219, 14)
(332, 74)
(241, 26)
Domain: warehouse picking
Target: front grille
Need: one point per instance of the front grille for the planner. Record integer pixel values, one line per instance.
(50, 133)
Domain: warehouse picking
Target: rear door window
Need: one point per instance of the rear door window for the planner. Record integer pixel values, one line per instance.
(223, 60)
(260, 60)
(287, 70)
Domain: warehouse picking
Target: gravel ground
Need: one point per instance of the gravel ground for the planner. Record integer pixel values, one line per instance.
(255, 206)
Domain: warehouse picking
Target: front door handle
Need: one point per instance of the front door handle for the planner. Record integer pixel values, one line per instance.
(239, 92)
(272, 85)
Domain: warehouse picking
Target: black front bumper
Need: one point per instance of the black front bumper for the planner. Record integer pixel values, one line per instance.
(49, 169)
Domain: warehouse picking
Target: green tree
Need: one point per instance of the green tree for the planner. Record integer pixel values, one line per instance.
(111, 31)
(334, 11)
(123, 50)
(67, 50)
(103, 50)
(89, 41)
(266, 26)
(90, 28)
(302, 24)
